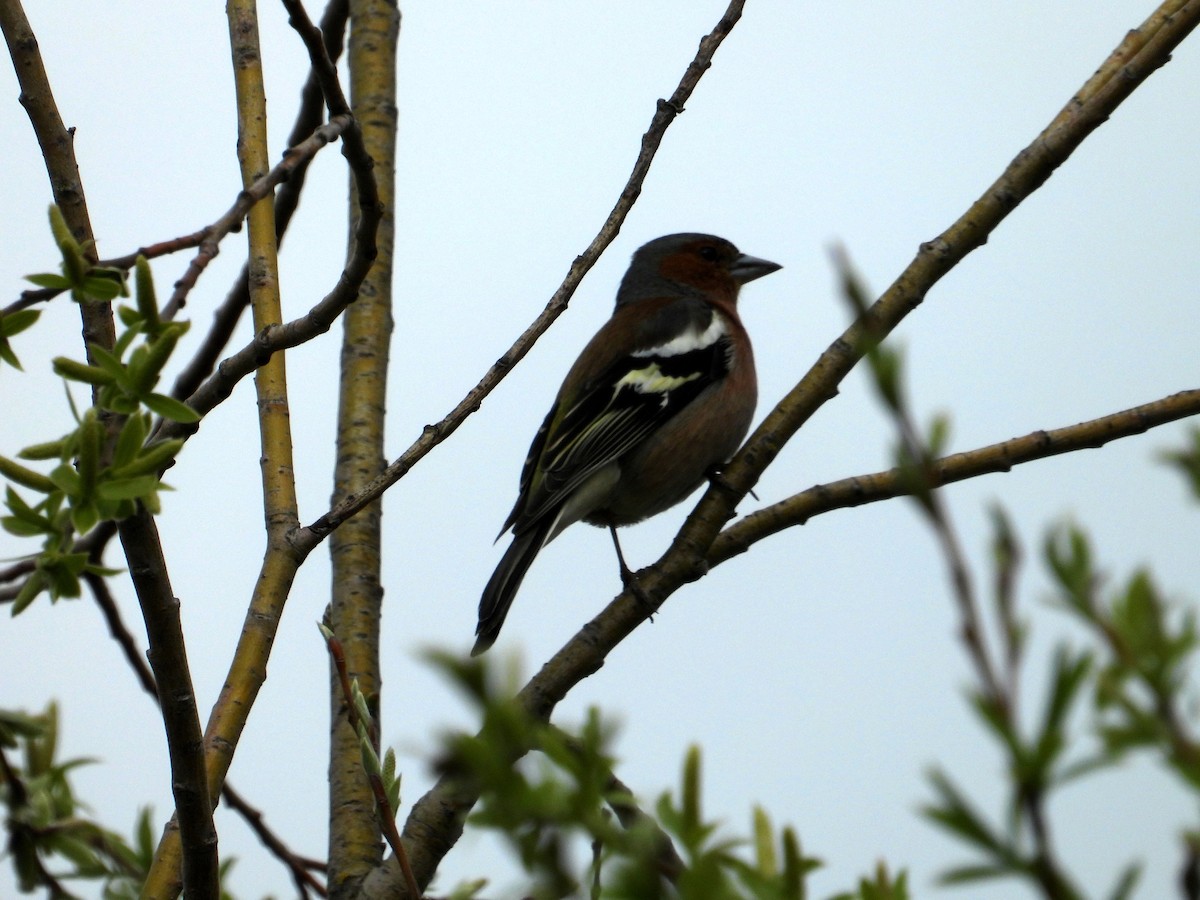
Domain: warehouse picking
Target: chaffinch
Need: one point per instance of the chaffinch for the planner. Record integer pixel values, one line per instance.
(660, 397)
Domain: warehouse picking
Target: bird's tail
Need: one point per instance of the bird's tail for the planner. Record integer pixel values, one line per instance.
(502, 586)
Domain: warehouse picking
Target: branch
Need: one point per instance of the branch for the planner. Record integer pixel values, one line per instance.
(139, 535)
(301, 867)
(436, 820)
(365, 726)
(308, 117)
(209, 238)
(248, 668)
(168, 659)
(58, 149)
(274, 337)
(1001, 457)
(359, 809)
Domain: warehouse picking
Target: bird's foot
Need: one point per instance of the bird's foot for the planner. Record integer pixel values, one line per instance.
(632, 583)
(716, 478)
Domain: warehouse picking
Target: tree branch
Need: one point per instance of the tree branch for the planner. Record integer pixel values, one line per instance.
(1001, 457)
(308, 117)
(58, 150)
(358, 807)
(168, 659)
(248, 667)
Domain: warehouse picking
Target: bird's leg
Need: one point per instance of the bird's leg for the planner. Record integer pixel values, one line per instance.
(628, 579)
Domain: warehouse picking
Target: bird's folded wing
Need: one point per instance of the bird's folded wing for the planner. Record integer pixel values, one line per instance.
(635, 397)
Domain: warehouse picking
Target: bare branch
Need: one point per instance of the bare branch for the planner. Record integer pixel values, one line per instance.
(1001, 457)
(58, 150)
(300, 867)
(185, 742)
(287, 199)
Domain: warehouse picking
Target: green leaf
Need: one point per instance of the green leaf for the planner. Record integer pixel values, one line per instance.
(129, 441)
(91, 443)
(127, 337)
(101, 289)
(128, 488)
(146, 301)
(19, 474)
(20, 528)
(149, 365)
(130, 318)
(73, 370)
(48, 450)
(939, 435)
(1123, 890)
(15, 322)
(33, 586)
(764, 843)
(690, 791)
(956, 815)
(62, 581)
(1069, 558)
(66, 479)
(49, 280)
(12, 324)
(8, 356)
(971, 874)
(1187, 460)
(1068, 677)
(110, 361)
(58, 226)
(170, 408)
(118, 402)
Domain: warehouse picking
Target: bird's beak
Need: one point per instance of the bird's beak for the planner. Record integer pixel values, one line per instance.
(746, 268)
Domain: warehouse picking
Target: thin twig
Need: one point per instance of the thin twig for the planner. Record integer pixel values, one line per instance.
(57, 144)
(1001, 457)
(212, 235)
(297, 865)
(287, 198)
(301, 867)
(383, 807)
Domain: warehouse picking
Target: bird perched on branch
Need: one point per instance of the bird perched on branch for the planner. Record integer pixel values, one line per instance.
(658, 399)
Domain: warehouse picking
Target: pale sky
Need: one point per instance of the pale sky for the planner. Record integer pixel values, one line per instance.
(820, 672)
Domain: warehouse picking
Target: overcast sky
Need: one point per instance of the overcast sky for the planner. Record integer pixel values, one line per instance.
(820, 672)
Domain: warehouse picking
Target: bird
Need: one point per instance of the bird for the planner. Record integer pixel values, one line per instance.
(657, 401)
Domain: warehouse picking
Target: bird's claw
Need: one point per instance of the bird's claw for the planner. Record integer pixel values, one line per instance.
(716, 478)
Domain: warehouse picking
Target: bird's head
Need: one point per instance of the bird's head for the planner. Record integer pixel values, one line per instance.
(689, 263)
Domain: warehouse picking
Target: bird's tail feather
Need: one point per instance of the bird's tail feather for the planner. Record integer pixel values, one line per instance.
(502, 586)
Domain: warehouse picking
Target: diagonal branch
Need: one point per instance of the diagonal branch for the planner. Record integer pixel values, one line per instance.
(57, 143)
(1001, 457)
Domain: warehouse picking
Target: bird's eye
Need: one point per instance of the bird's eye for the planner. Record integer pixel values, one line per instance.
(708, 252)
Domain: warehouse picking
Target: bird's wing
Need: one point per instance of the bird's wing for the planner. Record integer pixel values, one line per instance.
(635, 396)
